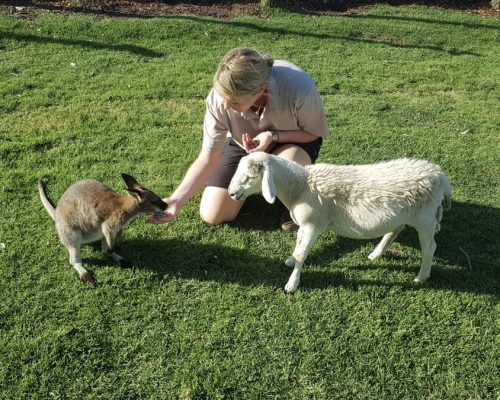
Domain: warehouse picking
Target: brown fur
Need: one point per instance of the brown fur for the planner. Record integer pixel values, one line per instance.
(89, 211)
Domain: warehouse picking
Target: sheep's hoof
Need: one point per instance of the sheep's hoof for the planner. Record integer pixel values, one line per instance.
(290, 262)
(374, 256)
(420, 280)
(290, 288)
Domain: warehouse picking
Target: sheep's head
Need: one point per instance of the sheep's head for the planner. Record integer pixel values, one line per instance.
(253, 173)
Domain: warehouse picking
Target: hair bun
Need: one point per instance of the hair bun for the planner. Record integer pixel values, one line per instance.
(242, 71)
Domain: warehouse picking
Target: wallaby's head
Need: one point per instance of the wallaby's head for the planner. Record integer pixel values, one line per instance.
(148, 201)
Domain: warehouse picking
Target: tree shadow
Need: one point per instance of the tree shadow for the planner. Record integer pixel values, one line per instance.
(424, 21)
(348, 8)
(354, 37)
(472, 227)
(138, 50)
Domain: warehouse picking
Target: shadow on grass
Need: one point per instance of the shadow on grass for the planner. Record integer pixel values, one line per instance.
(341, 6)
(356, 37)
(468, 241)
(206, 262)
(424, 21)
(471, 227)
(257, 214)
(138, 50)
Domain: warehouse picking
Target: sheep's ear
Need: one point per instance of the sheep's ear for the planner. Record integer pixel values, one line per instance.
(268, 187)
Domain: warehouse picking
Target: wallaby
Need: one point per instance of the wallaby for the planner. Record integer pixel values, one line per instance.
(89, 211)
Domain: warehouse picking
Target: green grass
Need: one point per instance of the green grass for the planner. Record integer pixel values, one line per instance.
(204, 315)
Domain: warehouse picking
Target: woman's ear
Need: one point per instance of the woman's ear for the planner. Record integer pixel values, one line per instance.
(268, 187)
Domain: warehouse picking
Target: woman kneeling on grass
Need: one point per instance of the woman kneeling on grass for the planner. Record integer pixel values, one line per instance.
(262, 105)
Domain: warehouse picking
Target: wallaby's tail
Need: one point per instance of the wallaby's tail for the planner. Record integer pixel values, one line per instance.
(45, 201)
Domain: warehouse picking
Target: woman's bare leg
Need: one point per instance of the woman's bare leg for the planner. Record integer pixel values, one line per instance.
(217, 207)
(293, 153)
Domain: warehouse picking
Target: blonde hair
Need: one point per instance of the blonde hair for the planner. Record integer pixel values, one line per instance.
(242, 71)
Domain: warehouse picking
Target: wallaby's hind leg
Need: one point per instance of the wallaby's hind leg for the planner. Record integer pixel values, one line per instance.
(385, 243)
(76, 262)
(108, 247)
(118, 239)
(72, 241)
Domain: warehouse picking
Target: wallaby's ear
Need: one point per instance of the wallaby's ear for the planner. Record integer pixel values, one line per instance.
(131, 182)
(268, 187)
(135, 193)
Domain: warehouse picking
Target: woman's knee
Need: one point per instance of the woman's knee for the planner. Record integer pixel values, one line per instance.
(293, 152)
(214, 217)
(217, 207)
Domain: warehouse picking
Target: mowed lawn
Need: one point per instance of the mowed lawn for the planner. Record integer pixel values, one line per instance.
(203, 315)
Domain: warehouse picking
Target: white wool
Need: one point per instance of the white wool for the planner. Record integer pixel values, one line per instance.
(404, 182)
(357, 201)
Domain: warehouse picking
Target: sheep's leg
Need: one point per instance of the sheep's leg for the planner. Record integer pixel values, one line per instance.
(385, 243)
(290, 261)
(305, 239)
(108, 247)
(428, 246)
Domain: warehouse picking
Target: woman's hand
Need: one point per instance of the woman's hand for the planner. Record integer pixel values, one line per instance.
(166, 216)
(261, 142)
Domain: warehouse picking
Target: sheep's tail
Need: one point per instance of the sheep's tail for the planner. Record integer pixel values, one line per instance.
(446, 192)
(446, 202)
(45, 201)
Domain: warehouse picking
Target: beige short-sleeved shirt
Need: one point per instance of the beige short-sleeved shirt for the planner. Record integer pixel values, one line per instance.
(293, 103)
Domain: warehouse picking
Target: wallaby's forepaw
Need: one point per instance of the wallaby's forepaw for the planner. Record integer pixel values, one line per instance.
(122, 262)
(126, 264)
(87, 279)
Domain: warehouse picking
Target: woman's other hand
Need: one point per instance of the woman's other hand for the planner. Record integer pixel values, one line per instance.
(261, 142)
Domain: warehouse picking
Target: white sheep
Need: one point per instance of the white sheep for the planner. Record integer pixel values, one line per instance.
(356, 201)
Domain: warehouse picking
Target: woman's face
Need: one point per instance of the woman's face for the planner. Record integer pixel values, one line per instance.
(242, 103)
